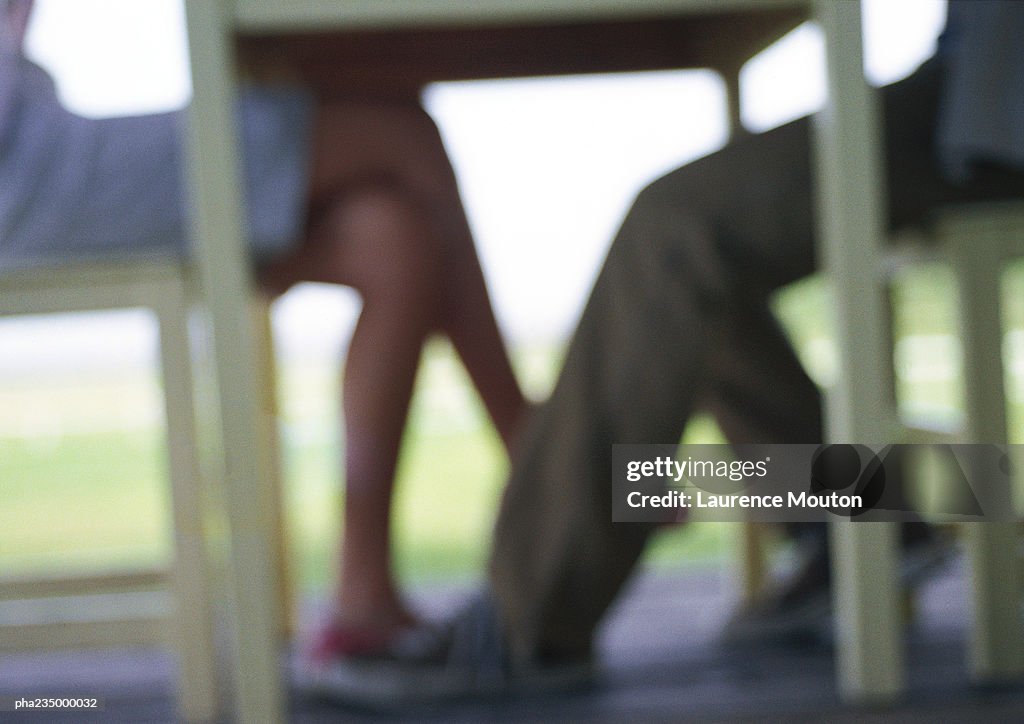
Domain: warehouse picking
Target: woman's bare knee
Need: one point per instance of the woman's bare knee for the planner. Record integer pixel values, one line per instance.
(362, 140)
(385, 247)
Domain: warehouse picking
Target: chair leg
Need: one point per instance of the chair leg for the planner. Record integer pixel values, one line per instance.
(271, 462)
(997, 647)
(193, 614)
(753, 561)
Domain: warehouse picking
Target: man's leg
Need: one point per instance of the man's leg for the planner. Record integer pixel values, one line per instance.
(694, 245)
(730, 227)
(758, 391)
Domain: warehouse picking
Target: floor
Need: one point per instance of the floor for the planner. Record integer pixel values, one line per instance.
(662, 662)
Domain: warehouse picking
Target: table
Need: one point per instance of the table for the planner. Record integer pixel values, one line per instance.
(378, 59)
(383, 42)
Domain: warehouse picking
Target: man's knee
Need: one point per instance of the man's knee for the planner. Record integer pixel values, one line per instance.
(671, 236)
(678, 192)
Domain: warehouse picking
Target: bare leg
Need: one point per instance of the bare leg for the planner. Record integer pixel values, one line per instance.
(388, 221)
(396, 144)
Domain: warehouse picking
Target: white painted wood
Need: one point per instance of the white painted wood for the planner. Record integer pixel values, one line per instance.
(270, 448)
(128, 630)
(217, 224)
(161, 285)
(86, 621)
(193, 613)
(25, 587)
(996, 651)
(849, 182)
(51, 290)
(976, 241)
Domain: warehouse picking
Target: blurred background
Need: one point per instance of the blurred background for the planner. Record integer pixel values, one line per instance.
(81, 453)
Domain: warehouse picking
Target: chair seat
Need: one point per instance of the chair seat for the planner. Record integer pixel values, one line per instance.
(89, 286)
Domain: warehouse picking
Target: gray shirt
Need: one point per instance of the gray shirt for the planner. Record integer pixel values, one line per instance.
(94, 188)
(982, 112)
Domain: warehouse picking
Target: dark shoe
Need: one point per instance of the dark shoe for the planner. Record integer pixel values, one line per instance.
(926, 551)
(798, 610)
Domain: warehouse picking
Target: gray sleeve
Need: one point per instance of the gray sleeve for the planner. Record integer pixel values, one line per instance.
(982, 113)
(10, 57)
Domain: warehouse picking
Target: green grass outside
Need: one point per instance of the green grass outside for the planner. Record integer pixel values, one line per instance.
(78, 498)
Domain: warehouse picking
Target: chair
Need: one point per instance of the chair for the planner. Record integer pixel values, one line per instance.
(870, 662)
(977, 241)
(128, 608)
(152, 606)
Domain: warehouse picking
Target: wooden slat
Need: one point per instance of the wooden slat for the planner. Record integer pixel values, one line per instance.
(96, 620)
(51, 586)
(88, 635)
(85, 287)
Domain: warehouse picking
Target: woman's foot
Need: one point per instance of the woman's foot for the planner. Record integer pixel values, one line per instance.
(348, 635)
